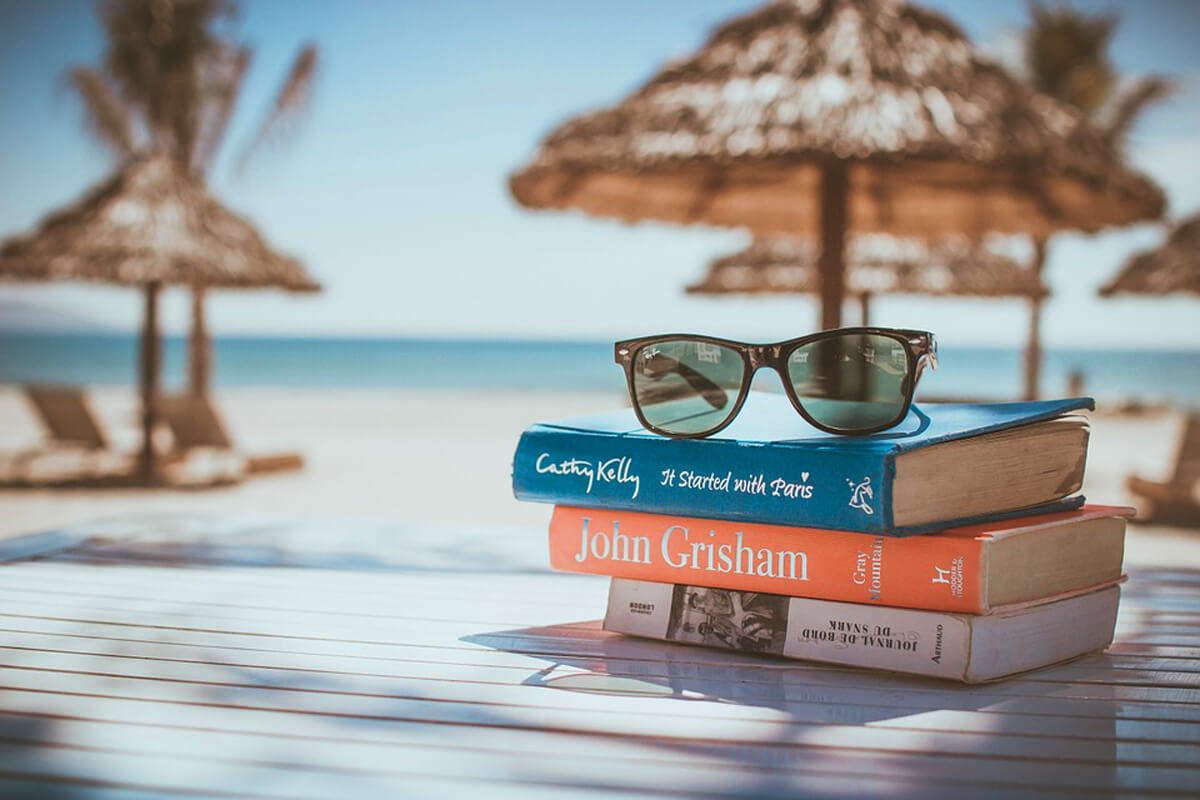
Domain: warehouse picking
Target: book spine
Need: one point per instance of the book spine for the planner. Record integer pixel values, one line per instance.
(831, 487)
(942, 573)
(903, 640)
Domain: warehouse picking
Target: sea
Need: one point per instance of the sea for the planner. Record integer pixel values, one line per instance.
(1112, 376)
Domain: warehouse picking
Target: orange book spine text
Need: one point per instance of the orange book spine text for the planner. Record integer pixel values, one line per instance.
(941, 572)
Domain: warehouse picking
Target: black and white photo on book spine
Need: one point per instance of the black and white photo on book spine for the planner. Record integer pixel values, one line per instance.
(746, 621)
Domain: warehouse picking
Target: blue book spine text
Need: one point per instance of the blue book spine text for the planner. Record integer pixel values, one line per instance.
(840, 488)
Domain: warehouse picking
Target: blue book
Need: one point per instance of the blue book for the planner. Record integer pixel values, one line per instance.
(945, 465)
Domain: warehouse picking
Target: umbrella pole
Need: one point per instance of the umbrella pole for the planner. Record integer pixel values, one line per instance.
(834, 217)
(1033, 348)
(200, 346)
(151, 359)
(864, 309)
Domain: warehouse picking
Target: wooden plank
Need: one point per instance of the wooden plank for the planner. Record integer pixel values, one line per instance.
(158, 774)
(164, 775)
(606, 715)
(1157, 651)
(1118, 656)
(563, 641)
(295, 599)
(539, 586)
(391, 658)
(835, 706)
(570, 641)
(730, 684)
(683, 766)
(339, 587)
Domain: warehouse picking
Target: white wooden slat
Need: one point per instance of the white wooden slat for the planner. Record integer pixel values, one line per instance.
(335, 585)
(578, 641)
(369, 613)
(159, 775)
(836, 707)
(730, 684)
(539, 586)
(27, 785)
(483, 665)
(235, 613)
(558, 587)
(1152, 638)
(1117, 656)
(338, 746)
(578, 644)
(1157, 651)
(405, 631)
(296, 595)
(800, 710)
(562, 590)
(706, 721)
(211, 615)
(298, 602)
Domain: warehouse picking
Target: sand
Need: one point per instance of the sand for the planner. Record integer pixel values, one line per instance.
(444, 456)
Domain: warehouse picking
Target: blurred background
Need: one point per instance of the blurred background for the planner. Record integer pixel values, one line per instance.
(362, 163)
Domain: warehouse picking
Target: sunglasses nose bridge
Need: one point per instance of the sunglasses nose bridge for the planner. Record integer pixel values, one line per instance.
(763, 355)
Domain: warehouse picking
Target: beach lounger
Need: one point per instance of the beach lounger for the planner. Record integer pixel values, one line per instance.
(196, 428)
(1174, 500)
(69, 426)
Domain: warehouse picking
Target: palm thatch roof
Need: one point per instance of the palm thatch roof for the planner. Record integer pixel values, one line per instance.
(1173, 267)
(936, 139)
(877, 264)
(151, 223)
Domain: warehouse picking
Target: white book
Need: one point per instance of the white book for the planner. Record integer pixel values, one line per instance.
(960, 647)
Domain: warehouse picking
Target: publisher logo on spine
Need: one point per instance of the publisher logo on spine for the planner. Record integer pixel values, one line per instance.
(952, 576)
(861, 495)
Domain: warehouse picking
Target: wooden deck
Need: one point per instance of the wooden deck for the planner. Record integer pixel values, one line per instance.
(257, 657)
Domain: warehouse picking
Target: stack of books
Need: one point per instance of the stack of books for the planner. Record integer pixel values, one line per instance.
(954, 545)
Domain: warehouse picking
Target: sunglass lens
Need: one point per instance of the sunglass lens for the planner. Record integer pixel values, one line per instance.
(686, 386)
(851, 382)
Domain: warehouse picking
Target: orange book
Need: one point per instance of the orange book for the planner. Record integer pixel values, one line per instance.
(973, 569)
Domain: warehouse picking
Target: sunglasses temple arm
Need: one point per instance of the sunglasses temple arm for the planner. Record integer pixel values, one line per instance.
(922, 417)
(926, 360)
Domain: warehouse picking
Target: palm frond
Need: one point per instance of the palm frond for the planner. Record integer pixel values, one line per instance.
(155, 50)
(222, 96)
(290, 104)
(1066, 55)
(104, 114)
(1130, 103)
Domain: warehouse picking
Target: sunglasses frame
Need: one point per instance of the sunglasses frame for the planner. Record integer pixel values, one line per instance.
(920, 348)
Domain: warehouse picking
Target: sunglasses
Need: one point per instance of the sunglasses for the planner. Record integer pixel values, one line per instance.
(846, 381)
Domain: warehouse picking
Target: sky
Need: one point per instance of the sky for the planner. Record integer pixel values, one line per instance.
(393, 190)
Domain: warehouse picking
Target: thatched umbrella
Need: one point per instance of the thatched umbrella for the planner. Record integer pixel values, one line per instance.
(151, 226)
(1172, 268)
(821, 118)
(877, 264)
